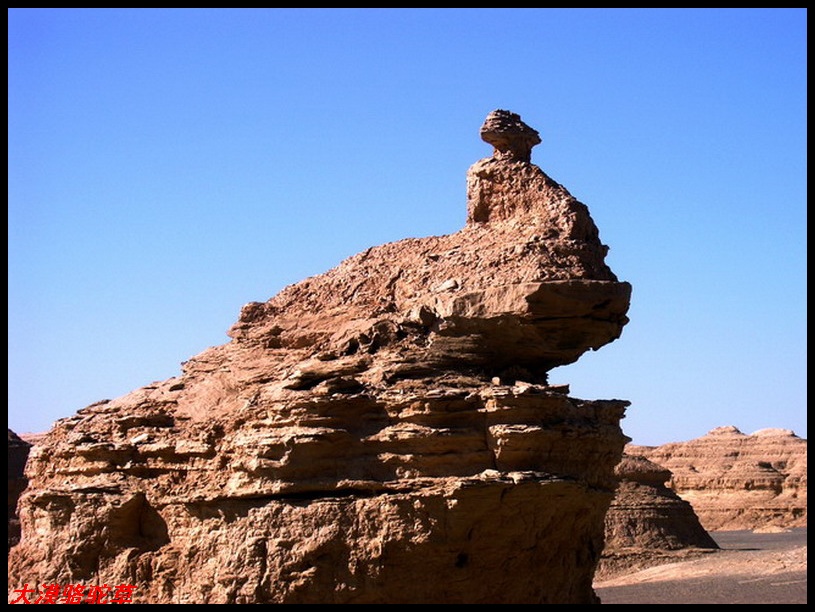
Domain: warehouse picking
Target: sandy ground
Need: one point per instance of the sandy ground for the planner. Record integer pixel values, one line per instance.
(751, 568)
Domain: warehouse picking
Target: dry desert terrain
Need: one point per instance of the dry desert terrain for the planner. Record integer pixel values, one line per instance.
(754, 568)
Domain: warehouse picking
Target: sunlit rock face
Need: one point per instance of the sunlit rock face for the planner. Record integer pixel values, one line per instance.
(739, 481)
(381, 433)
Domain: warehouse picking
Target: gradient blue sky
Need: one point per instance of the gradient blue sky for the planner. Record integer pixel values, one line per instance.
(167, 166)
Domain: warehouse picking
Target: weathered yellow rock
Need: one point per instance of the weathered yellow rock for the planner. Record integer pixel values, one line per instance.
(738, 481)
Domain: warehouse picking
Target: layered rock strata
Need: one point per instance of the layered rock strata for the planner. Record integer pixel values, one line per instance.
(738, 481)
(380, 433)
(648, 523)
(18, 450)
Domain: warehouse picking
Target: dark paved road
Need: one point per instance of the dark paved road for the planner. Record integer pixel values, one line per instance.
(777, 588)
(747, 540)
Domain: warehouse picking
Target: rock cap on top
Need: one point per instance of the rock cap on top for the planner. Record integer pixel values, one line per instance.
(512, 138)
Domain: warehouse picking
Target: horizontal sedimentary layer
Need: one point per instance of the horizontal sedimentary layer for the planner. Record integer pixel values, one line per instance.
(333, 442)
(324, 499)
(478, 539)
(739, 481)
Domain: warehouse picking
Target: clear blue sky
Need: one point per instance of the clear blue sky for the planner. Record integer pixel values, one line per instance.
(167, 166)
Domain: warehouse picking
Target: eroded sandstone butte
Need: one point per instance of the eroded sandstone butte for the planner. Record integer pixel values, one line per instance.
(647, 522)
(739, 481)
(380, 433)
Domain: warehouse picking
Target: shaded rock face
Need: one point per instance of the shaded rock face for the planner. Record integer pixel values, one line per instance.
(646, 513)
(647, 522)
(738, 481)
(18, 450)
(380, 433)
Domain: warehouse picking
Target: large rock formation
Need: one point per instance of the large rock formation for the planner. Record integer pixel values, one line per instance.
(380, 433)
(18, 450)
(648, 523)
(739, 481)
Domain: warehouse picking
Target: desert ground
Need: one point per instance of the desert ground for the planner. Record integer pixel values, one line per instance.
(751, 568)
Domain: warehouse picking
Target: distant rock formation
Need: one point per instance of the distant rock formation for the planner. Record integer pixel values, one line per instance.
(17, 456)
(380, 433)
(647, 522)
(738, 481)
